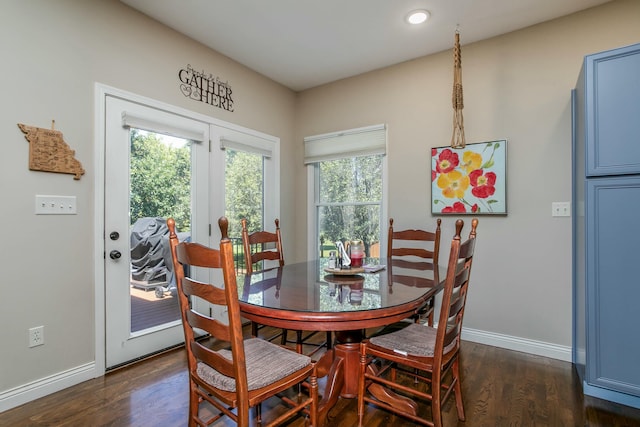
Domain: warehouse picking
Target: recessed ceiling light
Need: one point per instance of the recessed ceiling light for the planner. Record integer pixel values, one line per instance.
(416, 17)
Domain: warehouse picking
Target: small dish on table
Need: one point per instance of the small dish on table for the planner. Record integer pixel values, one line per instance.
(345, 271)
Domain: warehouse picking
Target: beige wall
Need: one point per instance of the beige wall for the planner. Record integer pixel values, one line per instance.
(518, 87)
(53, 53)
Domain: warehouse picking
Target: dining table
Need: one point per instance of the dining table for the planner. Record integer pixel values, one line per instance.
(309, 296)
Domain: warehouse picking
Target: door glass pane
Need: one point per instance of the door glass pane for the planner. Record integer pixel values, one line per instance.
(244, 197)
(160, 187)
(350, 200)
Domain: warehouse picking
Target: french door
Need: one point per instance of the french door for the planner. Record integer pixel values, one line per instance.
(155, 161)
(156, 166)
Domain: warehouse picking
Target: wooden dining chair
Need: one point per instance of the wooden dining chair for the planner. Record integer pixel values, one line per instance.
(261, 246)
(245, 372)
(415, 249)
(420, 355)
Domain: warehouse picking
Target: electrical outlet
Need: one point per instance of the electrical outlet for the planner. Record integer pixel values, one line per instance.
(561, 209)
(36, 336)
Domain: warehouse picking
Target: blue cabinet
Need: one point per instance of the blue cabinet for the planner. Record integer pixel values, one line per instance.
(612, 103)
(606, 247)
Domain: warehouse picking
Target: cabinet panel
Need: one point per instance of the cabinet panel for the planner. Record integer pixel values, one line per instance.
(611, 94)
(613, 284)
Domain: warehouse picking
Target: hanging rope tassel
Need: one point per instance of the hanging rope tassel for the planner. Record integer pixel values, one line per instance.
(457, 139)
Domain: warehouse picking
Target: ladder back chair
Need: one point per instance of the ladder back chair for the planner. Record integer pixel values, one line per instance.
(245, 372)
(415, 249)
(256, 251)
(256, 247)
(421, 361)
(261, 246)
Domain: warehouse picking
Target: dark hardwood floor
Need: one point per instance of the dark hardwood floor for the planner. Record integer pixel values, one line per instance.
(500, 388)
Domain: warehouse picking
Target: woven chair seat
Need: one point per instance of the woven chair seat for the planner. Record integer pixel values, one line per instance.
(266, 364)
(414, 340)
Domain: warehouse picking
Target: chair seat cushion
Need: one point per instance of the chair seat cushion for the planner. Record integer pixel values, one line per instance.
(415, 340)
(266, 364)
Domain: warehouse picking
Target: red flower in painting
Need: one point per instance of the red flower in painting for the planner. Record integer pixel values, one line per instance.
(433, 175)
(474, 208)
(483, 184)
(447, 161)
(457, 207)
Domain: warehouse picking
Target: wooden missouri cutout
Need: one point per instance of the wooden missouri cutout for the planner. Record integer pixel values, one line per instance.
(49, 153)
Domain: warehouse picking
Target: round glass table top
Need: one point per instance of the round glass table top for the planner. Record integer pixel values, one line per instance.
(307, 287)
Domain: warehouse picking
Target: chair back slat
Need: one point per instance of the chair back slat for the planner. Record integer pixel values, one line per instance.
(212, 326)
(265, 255)
(199, 255)
(467, 248)
(221, 363)
(262, 236)
(450, 336)
(414, 235)
(412, 281)
(417, 252)
(204, 291)
(412, 265)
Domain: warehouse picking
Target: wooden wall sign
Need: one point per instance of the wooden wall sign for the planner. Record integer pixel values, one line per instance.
(49, 153)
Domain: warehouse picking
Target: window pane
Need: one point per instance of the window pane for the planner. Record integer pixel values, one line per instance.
(358, 179)
(349, 205)
(160, 178)
(160, 187)
(244, 198)
(244, 177)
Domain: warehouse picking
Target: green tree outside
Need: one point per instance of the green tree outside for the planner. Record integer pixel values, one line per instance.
(350, 195)
(244, 191)
(160, 180)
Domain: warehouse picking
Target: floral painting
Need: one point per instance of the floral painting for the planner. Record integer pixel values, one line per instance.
(469, 180)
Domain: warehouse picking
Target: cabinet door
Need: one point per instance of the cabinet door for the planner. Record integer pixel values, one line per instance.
(613, 283)
(612, 102)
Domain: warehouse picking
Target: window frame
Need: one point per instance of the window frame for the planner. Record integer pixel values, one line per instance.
(313, 203)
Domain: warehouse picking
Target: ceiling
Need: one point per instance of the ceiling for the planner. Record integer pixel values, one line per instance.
(306, 43)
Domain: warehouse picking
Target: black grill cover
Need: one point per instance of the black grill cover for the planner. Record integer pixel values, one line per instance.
(150, 250)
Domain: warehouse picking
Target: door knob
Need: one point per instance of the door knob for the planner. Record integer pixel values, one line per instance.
(115, 254)
(114, 235)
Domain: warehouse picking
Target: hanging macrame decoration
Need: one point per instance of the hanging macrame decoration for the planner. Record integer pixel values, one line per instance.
(457, 139)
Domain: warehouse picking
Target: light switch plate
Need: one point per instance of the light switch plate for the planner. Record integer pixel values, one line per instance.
(55, 205)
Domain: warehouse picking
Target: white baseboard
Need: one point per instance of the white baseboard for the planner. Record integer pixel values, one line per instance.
(524, 345)
(34, 390)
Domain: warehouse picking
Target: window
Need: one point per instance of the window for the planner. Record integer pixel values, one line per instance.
(346, 189)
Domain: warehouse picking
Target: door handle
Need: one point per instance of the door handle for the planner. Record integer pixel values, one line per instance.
(115, 254)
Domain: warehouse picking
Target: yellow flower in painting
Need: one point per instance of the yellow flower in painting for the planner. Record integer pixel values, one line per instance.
(453, 184)
(471, 161)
